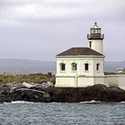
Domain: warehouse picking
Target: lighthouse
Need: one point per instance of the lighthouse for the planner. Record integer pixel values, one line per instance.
(95, 39)
(82, 66)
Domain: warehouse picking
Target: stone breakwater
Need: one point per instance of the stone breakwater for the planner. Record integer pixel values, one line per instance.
(46, 92)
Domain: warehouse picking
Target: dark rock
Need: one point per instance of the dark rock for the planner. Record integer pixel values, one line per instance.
(97, 92)
(28, 95)
(13, 92)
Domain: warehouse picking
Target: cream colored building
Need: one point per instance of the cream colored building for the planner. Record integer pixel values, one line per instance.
(117, 80)
(82, 66)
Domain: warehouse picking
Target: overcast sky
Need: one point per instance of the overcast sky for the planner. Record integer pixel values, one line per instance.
(40, 29)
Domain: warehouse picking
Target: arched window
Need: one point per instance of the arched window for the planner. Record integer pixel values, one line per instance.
(62, 67)
(74, 66)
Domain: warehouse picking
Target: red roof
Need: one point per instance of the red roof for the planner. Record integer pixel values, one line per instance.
(80, 51)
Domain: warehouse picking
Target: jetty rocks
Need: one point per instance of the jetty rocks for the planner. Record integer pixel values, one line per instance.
(46, 92)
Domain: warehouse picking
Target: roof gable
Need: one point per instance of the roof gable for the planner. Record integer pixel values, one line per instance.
(80, 51)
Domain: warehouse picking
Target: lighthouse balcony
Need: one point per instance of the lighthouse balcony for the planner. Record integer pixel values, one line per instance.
(95, 36)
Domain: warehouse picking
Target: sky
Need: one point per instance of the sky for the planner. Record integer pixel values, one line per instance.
(41, 29)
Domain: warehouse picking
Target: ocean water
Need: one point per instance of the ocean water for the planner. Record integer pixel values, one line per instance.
(85, 113)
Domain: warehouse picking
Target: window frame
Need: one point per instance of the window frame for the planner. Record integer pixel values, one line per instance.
(97, 67)
(90, 44)
(62, 67)
(86, 66)
(74, 66)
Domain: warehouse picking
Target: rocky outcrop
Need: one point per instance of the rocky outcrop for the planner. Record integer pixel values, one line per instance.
(97, 92)
(38, 93)
(24, 92)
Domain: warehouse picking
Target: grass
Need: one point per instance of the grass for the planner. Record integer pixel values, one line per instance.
(112, 73)
(25, 78)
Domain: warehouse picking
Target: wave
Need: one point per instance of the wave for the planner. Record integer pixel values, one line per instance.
(85, 102)
(123, 102)
(14, 102)
(18, 102)
(91, 102)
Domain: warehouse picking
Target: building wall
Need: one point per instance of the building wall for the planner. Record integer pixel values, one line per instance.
(83, 81)
(78, 81)
(81, 66)
(80, 77)
(96, 45)
(68, 81)
(117, 80)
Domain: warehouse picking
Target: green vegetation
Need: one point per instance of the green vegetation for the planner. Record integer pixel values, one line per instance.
(25, 78)
(112, 73)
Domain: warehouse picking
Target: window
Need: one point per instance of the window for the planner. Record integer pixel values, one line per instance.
(86, 66)
(90, 44)
(62, 66)
(74, 66)
(97, 66)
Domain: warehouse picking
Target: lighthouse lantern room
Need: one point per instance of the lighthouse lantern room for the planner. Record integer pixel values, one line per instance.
(95, 39)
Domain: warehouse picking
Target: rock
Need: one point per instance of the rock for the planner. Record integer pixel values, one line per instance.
(27, 85)
(19, 92)
(46, 95)
(37, 93)
(97, 92)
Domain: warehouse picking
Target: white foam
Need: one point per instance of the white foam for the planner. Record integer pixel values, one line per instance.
(14, 102)
(122, 102)
(91, 102)
(17, 102)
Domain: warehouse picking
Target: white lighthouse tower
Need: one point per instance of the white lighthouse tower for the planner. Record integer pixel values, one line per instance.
(95, 39)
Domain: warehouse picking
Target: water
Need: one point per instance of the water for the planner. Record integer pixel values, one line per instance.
(86, 113)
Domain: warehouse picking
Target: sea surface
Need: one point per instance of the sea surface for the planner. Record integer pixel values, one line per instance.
(84, 113)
